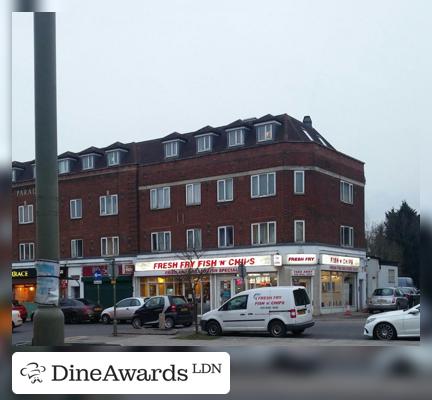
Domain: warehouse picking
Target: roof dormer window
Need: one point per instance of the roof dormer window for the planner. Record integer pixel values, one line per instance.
(113, 157)
(64, 166)
(204, 143)
(88, 161)
(236, 137)
(15, 173)
(171, 148)
(34, 170)
(264, 132)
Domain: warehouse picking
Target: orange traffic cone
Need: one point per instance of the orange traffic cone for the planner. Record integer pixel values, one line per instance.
(347, 312)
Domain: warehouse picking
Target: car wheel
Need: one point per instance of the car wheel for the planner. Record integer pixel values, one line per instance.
(277, 329)
(106, 319)
(136, 323)
(169, 323)
(213, 328)
(385, 331)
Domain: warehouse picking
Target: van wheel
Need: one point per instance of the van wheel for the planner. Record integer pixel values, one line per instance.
(277, 329)
(213, 328)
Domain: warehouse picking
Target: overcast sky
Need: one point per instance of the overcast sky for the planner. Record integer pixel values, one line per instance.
(137, 70)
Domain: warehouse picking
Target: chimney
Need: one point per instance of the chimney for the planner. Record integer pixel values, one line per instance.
(307, 121)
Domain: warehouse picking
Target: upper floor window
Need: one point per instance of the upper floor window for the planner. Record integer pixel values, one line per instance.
(235, 137)
(14, 174)
(225, 190)
(299, 184)
(160, 198)
(110, 246)
(26, 251)
(193, 194)
(346, 192)
(171, 149)
(299, 231)
(347, 236)
(88, 161)
(264, 132)
(108, 204)
(263, 185)
(113, 157)
(34, 170)
(63, 166)
(225, 236)
(204, 143)
(25, 214)
(263, 233)
(193, 239)
(77, 248)
(76, 208)
(161, 241)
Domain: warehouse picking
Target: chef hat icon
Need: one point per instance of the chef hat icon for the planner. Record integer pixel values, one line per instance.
(33, 371)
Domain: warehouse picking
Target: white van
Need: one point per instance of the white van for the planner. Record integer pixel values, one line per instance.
(274, 309)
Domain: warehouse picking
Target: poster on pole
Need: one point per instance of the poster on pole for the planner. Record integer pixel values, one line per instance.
(47, 288)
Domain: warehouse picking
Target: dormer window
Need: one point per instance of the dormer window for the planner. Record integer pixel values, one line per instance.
(171, 149)
(235, 137)
(34, 170)
(63, 166)
(264, 132)
(88, 161)
(204, 143)
(113, 157)
(14, 175)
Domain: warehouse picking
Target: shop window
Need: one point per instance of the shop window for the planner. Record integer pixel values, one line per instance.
(225, 190)
(346, 192)
(160, 198)
(25, 214)
(76, 208)
(161, 241)
(193, 239)
(24, 293)
(299, 231)
(263, 233)
(76, 248)
(299, 182)
(193, 194)
(26, 251)
(263, 185)
(110, 246)
(225, 236)
(331, 289)
(347, 236)
(264, 279)
(108, 205)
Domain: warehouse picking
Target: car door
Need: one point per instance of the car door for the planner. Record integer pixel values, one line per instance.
(149, 312)
(234, 314)
(130, 310)
(411, 322)
(123, 309)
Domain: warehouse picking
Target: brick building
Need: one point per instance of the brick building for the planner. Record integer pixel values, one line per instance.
(271, 193)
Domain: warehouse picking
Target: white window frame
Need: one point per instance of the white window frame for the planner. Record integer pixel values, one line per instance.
(265, 132)
(222, 190)
(342, 236)
(196, 194)
(87, 162)
(113, 157)
(103, 205)
(267, 242)
(236, 137)
(74, 248)
(343, 198)
(26, 251)
(166, 239)
(160, 198)
(303, 238)
(196, 237)
(171, 149)
(299, 175)
(225, 229)
(258, 178)
(25, 214)
(73, 208)
(14, 174)
(34, 171)
(115, 244)
(63, 166)
(204, 143)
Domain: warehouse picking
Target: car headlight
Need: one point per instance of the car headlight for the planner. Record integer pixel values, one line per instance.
(369, 320)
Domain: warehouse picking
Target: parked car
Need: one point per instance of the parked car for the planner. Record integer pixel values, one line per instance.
(393, 324)
(125, 309)
(411, 294)
(97, 308)
(16, 305)
(272, 309)
(16, 319)
(176, 309)
(75, 311)
(387, 299)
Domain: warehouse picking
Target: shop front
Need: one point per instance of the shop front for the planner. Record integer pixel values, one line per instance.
(24, 284)
(214, 279)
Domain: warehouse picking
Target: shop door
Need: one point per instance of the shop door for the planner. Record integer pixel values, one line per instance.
(227, 287)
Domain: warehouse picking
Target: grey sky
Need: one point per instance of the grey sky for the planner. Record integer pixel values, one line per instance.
(137, 70)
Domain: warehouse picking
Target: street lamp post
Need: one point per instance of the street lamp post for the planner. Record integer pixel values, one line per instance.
(111, 261)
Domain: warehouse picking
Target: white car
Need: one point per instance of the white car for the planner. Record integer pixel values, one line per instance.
(125, 309)
(16, 319)
(394, 324)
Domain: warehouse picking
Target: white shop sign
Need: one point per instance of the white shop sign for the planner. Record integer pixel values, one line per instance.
(340, 261)
(302, 259)
(295, 271)
(214, 264)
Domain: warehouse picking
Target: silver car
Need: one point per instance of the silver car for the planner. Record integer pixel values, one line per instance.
(387, 299)
(125, 309)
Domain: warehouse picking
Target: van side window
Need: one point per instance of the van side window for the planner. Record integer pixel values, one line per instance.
(237, 303)
(301, 298)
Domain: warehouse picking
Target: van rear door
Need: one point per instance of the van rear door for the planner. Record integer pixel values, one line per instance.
(302, 306)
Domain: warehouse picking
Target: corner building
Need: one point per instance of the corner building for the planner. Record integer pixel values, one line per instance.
(270, 193)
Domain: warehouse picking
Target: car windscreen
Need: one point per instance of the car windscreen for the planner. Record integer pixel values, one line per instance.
(178, 300)
(301, 298)
(383, 292)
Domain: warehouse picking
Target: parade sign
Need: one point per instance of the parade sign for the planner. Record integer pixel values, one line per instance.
(352, 263)
(302, 259)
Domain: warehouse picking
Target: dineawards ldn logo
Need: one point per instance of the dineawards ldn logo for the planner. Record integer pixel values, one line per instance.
(121, 373)
(33, 371)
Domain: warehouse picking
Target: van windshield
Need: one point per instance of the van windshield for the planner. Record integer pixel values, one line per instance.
(301, 297)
